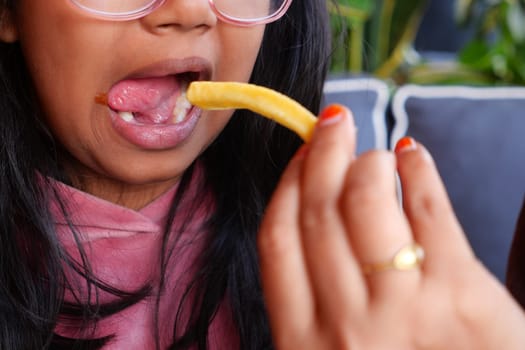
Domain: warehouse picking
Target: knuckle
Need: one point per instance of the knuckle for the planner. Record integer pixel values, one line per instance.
(316, 215)
(274, 239)
(427, 206)
(466, 304)
(322, 144)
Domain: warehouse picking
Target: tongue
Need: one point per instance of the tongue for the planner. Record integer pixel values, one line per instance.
(151, 100)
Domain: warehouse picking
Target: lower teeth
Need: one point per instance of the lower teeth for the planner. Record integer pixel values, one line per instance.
(126, 116)
(182, 106)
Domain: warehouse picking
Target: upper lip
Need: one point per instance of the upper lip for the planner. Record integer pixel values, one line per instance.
(198, 65)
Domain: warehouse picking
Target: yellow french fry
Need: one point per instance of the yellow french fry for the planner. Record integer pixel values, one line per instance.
(264, 101)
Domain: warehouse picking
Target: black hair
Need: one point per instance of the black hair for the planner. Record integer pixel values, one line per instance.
(241, 169)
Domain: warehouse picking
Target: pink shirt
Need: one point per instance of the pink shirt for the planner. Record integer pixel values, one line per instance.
(123, 247)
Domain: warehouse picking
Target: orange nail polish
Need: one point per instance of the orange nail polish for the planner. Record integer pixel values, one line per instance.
(331, 114)
(404, 144)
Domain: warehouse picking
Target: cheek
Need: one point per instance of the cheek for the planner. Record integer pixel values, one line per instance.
(239, 48)
(68, 68)
(68, 54)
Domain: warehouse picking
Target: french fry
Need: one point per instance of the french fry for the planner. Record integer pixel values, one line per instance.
(264, 101)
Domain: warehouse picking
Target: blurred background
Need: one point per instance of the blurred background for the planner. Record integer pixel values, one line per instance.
(439, 30)
(482, 41)
(451, 74)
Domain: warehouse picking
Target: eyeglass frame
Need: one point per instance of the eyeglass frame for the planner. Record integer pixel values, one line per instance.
(155, 4)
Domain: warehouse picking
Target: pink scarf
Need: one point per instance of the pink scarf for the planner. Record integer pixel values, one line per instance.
(123, 247)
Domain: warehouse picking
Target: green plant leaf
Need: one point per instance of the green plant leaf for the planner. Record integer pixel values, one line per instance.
(373, 35)
(360, 5)
(516, 21)
(476, 55)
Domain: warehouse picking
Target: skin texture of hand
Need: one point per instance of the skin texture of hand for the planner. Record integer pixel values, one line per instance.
(333, 212)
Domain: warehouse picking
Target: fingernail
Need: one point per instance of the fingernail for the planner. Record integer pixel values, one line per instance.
(405, 144)
(332, 114)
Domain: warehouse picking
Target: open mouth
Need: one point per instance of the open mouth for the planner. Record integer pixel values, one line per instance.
(152, 100)
(149, 109)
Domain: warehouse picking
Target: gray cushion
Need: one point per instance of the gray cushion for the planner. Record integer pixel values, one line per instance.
(368, 99)
(476, 136)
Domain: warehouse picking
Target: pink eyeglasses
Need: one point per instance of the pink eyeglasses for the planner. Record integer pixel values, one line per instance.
(236, 12)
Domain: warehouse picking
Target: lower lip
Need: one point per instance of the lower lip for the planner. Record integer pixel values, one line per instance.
(156, 136)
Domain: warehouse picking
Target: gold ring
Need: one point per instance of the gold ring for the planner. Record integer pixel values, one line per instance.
(407, 258)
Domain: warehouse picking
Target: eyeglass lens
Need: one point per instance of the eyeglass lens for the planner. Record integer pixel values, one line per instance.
(240, 9)
(248, 9)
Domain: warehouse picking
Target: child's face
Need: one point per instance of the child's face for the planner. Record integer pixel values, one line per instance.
(73, 58)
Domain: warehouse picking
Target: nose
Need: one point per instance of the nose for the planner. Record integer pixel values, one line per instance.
(181, 15)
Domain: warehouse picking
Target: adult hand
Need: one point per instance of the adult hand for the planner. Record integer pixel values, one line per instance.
(334, 214)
